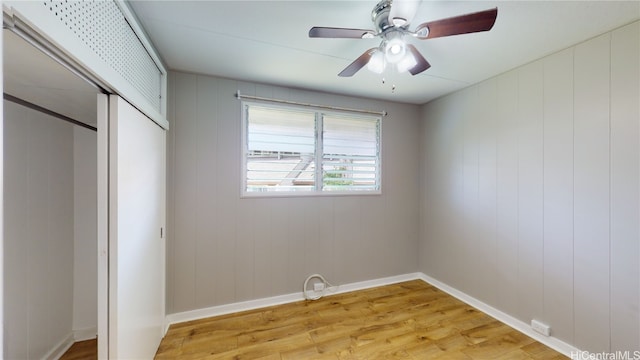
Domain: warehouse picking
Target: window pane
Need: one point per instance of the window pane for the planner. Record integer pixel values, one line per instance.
(350, 158)
(280, 149)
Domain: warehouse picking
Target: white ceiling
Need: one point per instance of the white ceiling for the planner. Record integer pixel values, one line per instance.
(267, 41)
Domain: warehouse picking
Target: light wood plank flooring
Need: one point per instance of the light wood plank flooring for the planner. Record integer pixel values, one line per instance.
(82, 350)
(410, 320)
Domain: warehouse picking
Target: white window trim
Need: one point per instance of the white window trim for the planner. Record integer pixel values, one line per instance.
(318, 184)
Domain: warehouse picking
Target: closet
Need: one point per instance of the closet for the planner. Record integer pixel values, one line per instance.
(50, 204)
(83, 210)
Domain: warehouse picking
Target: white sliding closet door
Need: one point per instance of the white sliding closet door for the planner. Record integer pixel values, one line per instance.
(136, 222)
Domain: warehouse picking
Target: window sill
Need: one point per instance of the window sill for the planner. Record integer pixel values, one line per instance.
(310, 194)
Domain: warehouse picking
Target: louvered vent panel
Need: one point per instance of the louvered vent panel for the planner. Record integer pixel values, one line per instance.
(103, 28)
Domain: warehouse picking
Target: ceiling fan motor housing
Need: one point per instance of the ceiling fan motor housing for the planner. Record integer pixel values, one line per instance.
(380, 16)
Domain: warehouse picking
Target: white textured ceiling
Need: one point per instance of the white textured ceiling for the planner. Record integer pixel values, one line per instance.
(267, 41)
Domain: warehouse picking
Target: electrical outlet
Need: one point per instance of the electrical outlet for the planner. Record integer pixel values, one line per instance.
(543, 329)
(318, 286)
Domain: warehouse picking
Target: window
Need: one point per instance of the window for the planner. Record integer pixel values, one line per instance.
(301, 151)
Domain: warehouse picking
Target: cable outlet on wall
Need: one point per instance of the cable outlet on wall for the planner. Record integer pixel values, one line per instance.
(318, 286)
(542, 328)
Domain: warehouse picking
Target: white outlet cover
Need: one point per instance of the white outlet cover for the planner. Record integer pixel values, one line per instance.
(540, 327)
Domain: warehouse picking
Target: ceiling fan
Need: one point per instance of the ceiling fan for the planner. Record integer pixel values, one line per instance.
(391, 19)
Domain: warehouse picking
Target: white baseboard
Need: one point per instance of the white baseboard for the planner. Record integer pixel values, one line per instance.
(57, 351)
(85, 334)
(519, 325)
(278, 300)
(77, 335)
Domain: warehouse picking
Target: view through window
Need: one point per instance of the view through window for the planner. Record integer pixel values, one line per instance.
(302, 151)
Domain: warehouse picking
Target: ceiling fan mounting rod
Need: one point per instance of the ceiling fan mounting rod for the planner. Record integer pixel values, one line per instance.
(380, 16)
(384, 25)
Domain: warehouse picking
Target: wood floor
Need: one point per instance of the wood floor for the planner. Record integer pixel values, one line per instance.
(410, 320)
(82, 350)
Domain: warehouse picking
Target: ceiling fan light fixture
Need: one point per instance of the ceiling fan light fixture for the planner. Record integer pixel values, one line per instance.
(376, 63)
(407, 62)
(395, 50)
(391, 19)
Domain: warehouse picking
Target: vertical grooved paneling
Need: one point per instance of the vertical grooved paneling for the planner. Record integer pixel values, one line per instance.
(184, 129)
(85, 258)
(558, 194)
(507, 192)
(38, 195)
(407, 141)
(530, 163)
(262, 235)
(319, 242)
(591, 189)
(487, 190)
(16, 223)
(373, 224)
(348, 239)
(61, 219)
(565, 189)
(227, 137)
(279, 246)
(440, 225)
(455, 247)
(38, 234)
(468, 211)
(246, 234)
(206, 181)
(296, 237)
(245, 254)
(625, 182)
(171, 190)
(227, 249)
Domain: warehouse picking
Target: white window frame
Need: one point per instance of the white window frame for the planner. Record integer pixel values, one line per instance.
(318, 190)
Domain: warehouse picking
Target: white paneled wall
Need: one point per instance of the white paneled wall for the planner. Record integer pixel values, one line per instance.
(85, 258)
(625, 176)
(558, 175)
(38, 233)
(531, 192)
(591, 185)
(223, 249)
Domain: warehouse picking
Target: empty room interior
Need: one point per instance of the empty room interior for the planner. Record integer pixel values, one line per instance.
(320, 179)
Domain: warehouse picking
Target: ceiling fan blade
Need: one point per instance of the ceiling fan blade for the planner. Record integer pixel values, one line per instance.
(422, 63)
(463, 24)
(403, 11)
(330, 32)
(358, 64)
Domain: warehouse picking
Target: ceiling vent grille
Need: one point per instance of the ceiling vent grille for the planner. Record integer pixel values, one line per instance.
(102, 27)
